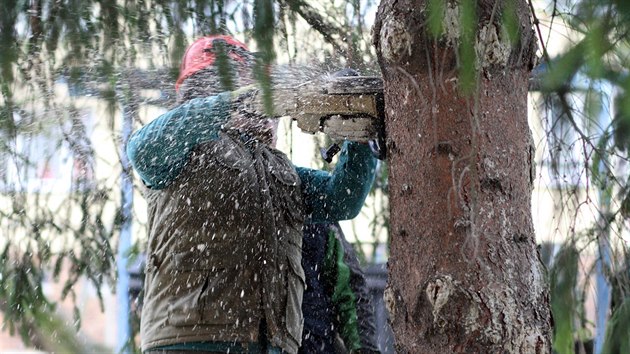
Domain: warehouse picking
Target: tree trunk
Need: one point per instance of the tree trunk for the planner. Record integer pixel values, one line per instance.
(464, 271)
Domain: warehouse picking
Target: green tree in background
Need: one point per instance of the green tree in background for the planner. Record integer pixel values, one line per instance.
(585, 90)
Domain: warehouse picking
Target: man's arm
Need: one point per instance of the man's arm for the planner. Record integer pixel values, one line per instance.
(340, 195)
(159, 150)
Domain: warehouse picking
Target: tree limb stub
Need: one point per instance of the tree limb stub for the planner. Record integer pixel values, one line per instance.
(313, 18)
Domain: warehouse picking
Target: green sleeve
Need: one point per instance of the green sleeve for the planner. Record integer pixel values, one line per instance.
(159, 150)
(343, 298)
(341, 194)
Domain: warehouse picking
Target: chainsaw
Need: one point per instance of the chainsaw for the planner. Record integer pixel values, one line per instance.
(347, 107)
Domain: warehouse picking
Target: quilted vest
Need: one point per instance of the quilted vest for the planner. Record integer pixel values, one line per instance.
(224, 249)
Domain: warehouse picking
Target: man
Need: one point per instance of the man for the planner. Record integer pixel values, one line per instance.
(226, 212)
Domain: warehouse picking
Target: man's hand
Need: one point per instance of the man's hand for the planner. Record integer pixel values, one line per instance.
(246, 102)
(244, 91)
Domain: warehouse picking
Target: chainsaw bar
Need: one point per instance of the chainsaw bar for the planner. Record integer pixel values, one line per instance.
(353, 85)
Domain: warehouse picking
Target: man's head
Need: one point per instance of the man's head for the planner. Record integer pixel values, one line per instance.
(199, 73)
(199, 77)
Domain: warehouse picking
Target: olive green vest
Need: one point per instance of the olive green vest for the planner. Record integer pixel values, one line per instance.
(224, 251)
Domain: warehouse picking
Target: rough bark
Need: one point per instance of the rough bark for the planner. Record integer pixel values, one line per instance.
(465, 276)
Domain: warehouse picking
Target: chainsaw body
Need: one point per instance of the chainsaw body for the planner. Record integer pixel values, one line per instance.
(349, 107)
(344, 108)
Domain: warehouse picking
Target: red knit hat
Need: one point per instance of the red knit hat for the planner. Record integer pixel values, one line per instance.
(199, 55)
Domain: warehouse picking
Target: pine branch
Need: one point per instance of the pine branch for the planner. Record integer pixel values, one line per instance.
(313, 18)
